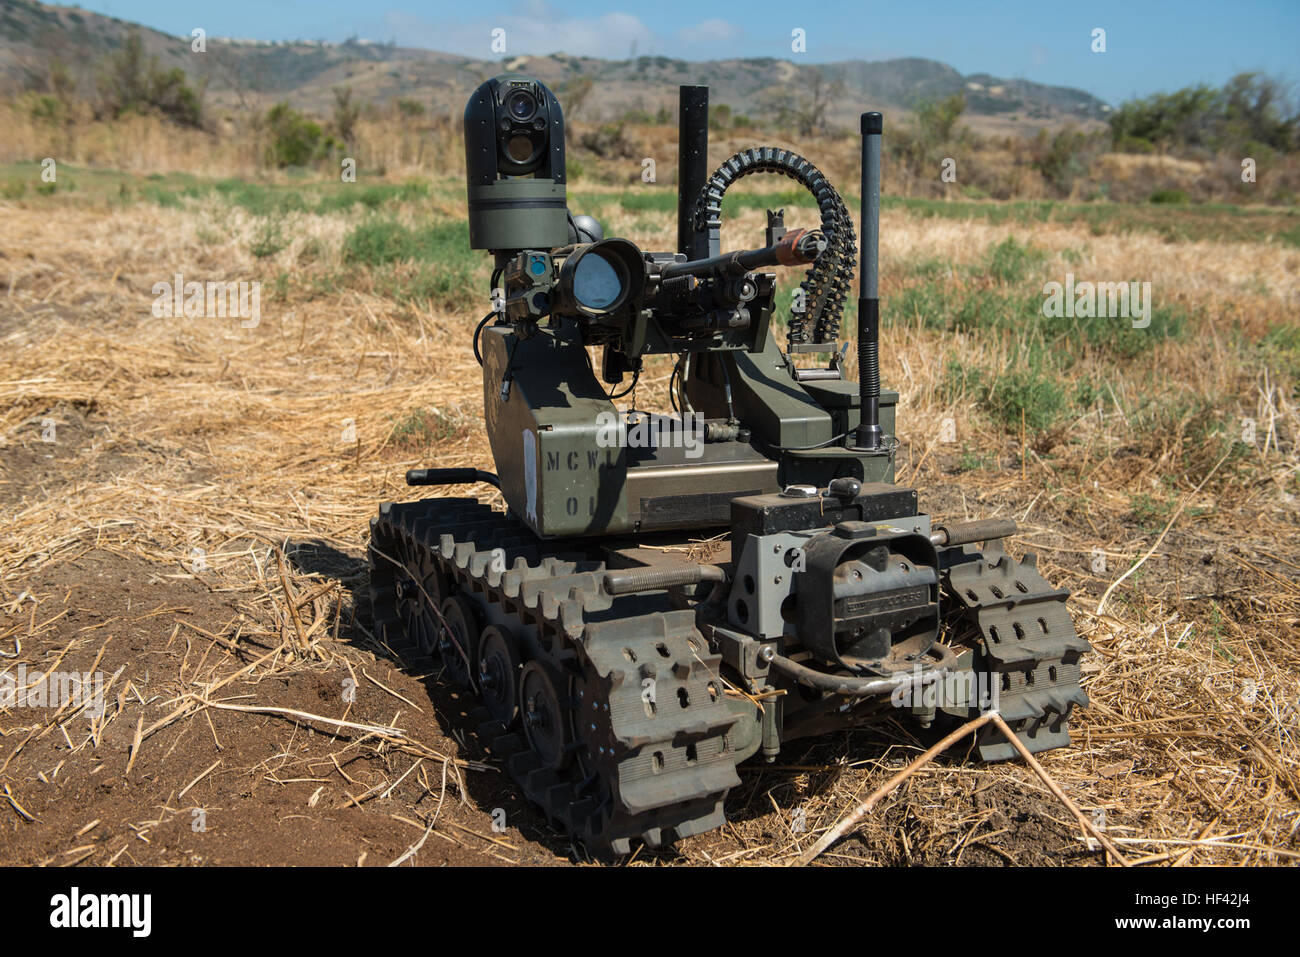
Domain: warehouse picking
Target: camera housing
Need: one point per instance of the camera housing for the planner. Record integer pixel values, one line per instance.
(514, 166)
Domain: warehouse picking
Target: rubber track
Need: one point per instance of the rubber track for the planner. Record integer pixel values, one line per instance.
(651, 773)
(1029, 646)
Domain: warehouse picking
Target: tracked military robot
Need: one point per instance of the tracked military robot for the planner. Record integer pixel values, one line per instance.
(643, 617)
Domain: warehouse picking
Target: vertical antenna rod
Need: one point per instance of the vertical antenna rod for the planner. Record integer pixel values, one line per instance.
(692, 167)
(869, 435)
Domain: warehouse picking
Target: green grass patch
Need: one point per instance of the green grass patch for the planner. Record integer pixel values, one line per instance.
(260, 199)
(377, 242)
(1175, 196)
(269, 239)
(1028, 390)
(932, 268)
(344, 196)
(431, 265)
(1010, 261)
(1013, 307)
(1178, 221)
(971, 461)
(951, 306)
(1280, 348)
(1117, 337)
(421, 428)
(648, 200)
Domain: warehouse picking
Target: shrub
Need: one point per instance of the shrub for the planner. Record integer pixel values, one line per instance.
(1010, 261)
(295, 140)
(133, 83)
(268, 240)
(1065, 158)
(1249, 107)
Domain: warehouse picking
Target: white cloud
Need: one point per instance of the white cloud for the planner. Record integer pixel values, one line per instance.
(710, 31)
(532, 27)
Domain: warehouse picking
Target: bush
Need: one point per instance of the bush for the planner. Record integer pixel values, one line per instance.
(421, 428)
(46, 109)
(609, 141)
(936, 119)
(1021, 391)
(1248, 108)
(1010, 261)
(295, 140)
(133, 83)
(170, 95)
(410, 109)
(1065, 158)
(268, 240)
(346, 114)
(922, 145)
(1006, 396)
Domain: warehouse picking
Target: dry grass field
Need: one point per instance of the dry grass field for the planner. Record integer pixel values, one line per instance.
(184, 506)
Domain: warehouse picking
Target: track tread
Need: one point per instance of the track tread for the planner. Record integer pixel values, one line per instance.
(665, 771)
(1028, 645)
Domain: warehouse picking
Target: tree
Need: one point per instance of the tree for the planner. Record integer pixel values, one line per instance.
(132, 83)
(295, 140)
(124, 85)
(573, 94)
(806, 110)
(1249, 109)
(810, 109)
(936, 119)
(346, 114)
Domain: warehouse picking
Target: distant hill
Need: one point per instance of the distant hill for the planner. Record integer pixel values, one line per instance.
(254, 74)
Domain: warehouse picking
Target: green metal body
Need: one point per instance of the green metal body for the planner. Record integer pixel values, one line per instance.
(562, 476)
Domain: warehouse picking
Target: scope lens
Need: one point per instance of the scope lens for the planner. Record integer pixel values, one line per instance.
(521, 105)
(597, 284)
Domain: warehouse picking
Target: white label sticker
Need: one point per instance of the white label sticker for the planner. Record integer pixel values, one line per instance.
(530, 474)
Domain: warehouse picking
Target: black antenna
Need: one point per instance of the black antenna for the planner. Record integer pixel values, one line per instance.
(692, 167)
(869, 436)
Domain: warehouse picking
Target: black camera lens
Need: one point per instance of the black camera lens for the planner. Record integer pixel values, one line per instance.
(520, 148)
(521, 106)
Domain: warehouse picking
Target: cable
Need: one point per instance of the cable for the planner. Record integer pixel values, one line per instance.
(636, 375)
(726, 391)
(478, 331)
(809, 448)
(508, 376)
(681, 384)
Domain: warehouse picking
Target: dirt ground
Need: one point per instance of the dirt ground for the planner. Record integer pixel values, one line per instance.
(184, 506)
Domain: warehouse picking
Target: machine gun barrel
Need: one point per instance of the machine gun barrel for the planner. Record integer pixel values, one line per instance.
(796, 248)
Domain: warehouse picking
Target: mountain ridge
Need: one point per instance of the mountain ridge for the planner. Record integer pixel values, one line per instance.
(252, 73)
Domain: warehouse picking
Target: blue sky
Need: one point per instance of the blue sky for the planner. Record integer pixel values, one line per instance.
(1150, 46)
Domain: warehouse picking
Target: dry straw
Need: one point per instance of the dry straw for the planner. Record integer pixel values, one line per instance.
(177, 435)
